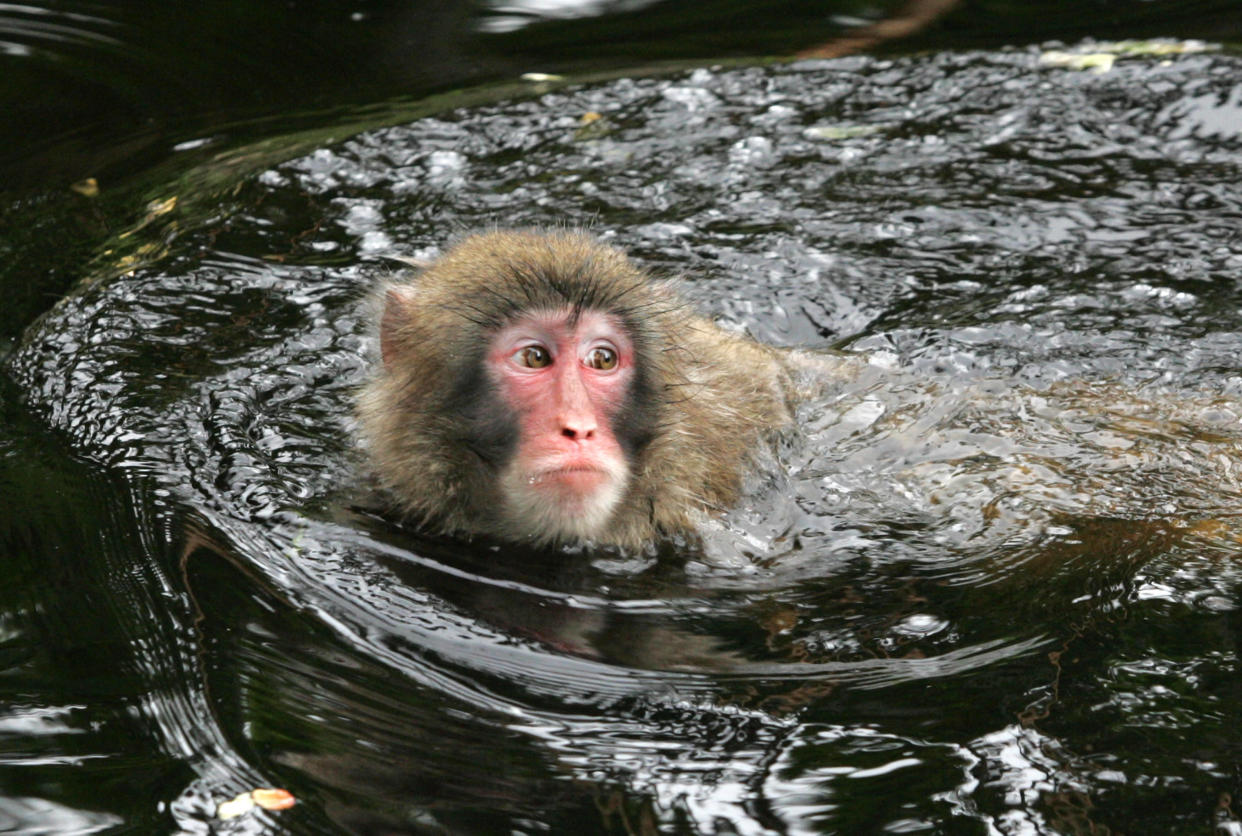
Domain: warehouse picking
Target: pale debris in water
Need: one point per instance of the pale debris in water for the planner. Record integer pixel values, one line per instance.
(1156, 47)
(235, 807)
(1100, 62)
(1102, 55)
(831, 132)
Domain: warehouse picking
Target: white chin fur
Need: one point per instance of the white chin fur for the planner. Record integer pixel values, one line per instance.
(545, 517)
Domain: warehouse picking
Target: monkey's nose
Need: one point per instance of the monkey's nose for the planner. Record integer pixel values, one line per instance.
(573, 434)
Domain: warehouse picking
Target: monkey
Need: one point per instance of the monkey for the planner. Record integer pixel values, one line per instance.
(539, 387)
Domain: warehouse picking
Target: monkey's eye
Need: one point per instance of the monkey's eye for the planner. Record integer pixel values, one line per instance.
(602, 358)
(533, 357)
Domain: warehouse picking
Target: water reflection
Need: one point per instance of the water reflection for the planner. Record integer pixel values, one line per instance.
(25, 27)
(511, 15)
(995, 563)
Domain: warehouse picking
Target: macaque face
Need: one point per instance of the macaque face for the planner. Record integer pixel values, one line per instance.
(565, 377)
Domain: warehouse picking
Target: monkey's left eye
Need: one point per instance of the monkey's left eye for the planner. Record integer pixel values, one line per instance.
(533, 357)
(601, 358)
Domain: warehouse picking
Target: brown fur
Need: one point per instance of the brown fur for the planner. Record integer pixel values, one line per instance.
(713, 396)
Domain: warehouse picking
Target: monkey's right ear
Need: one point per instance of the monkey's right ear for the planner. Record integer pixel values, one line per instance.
(392, 322)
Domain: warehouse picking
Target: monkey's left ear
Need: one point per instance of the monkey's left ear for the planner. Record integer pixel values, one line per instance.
(411, 261)
(397, 301)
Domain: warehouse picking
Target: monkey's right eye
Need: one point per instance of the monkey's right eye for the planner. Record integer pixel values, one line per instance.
(533, 357)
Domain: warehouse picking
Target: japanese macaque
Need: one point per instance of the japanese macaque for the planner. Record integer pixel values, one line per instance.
(539, 387)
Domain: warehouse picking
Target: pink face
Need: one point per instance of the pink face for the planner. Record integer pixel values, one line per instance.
(565, 380)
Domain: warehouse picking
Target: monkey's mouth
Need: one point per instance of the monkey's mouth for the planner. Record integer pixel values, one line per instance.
(572, 478)
(570, 471)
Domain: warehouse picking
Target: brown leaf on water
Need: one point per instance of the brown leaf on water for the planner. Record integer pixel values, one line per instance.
(87, 188)
(267, 798)
(273, 799)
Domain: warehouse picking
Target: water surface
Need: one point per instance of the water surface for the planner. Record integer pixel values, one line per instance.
(989, 586)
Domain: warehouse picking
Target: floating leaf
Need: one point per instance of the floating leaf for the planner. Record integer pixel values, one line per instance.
(265, 797)
(273, 799)
(87, 188)
(592, 125)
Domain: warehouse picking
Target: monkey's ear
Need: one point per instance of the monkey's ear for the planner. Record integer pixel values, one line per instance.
(410, 261)
(392, 323)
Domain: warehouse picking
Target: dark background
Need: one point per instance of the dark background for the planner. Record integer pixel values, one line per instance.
(91, 89)
(113, 91)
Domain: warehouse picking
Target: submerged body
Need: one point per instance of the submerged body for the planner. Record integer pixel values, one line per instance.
(540, 387)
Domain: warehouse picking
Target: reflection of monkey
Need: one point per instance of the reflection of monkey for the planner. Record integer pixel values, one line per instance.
(540, 387)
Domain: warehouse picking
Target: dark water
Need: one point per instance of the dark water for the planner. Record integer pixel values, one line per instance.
(107, 89)
(990, 586)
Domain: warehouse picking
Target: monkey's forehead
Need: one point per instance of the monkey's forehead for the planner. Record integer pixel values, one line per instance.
(500, 276)
(552, 323)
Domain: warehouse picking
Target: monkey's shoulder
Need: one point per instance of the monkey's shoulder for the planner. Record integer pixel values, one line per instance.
(725, 395)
